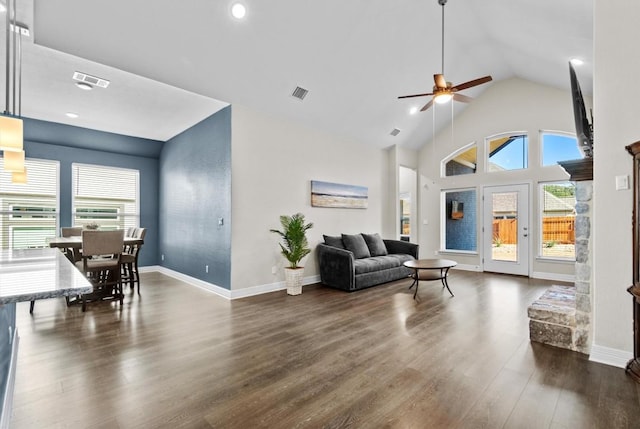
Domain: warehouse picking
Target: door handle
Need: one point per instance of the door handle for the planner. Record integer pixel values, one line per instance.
(525, 235)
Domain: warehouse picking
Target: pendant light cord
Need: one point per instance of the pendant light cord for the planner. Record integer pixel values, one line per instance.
(7, 57)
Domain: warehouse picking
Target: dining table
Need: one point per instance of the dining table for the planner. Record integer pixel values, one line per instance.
(75, 242)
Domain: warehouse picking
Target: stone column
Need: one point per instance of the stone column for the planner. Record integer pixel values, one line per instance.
(584, 197)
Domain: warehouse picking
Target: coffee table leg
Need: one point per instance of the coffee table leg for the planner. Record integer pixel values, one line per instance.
(415, 279)
(445, 282)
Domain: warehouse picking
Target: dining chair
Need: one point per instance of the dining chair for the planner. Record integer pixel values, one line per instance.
(74, 255)
(130, 273)
(71, 231)
(101, 264)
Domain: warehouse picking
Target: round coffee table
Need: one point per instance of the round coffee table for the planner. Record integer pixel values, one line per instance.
(430, 269)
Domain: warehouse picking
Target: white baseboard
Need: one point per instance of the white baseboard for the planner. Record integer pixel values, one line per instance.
(223, 292)
(269, 287)
(467, 267)
(609, 356)
(150, 268)
(218, 290)
(570, 278)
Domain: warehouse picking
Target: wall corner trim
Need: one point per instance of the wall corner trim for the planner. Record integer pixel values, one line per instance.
(609, 356)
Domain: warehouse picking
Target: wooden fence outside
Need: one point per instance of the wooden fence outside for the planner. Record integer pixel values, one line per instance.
(557, 229)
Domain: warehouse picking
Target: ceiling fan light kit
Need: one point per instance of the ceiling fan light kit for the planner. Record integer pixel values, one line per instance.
(443, 98)
(444, 91)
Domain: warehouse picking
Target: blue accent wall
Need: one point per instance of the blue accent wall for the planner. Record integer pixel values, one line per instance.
(55, 148)
(461, 233)
(195, 191)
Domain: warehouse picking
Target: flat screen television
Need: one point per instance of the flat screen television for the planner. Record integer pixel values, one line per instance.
(584, 130)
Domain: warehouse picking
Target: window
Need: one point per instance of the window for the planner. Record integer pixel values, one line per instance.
(559, 147)
(459, 220)
(462, 161)
(29, 211)
(557, 205)
(107, 196)
(507, 152)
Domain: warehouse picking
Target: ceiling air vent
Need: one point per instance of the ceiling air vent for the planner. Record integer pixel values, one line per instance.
(395, 132)
(300, 93)
(91, 80)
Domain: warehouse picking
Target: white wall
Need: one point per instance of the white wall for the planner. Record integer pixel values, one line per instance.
(273, 162)
(616, 116)
(513, 105)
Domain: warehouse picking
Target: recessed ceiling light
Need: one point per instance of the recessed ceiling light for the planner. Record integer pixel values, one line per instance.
(576, 61)
(84, 85)
(238, 10)
(413, 110)
(72, 115)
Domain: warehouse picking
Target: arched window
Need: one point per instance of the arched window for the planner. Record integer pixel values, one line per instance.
(462, 161)
(507, 151)
(558, 146)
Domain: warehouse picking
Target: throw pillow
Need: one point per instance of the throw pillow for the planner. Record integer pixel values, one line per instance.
(356, 244)
(375, 244)
(333, 241)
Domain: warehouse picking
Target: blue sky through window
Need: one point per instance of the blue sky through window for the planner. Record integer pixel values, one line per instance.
(556, 147)
(513, 155)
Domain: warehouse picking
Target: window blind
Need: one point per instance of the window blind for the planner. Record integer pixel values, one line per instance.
(29, 211)
(107, 196)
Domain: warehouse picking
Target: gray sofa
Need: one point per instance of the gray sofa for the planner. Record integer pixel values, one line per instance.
(345, 263)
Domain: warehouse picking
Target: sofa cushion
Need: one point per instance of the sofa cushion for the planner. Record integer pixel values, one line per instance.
(375, 263)
(375, 244)
(333, 241)
(401, 257)
(356, 244)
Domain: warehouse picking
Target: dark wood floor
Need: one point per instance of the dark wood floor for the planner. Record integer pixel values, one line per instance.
(180, 357)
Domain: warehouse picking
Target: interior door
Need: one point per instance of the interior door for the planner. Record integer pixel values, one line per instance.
(506, 229)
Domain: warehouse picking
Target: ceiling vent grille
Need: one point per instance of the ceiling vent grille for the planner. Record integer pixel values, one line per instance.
(91, 80)
(300, 93)
(394, 132)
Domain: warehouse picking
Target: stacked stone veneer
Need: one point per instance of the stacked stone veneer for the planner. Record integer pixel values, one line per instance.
(562, 315)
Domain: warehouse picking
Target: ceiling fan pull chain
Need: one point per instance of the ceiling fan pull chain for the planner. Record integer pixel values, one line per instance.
(442, 2)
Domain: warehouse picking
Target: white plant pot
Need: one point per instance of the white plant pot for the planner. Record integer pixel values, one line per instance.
(293, 280)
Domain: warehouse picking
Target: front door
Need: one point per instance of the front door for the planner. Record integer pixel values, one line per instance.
(506, 229)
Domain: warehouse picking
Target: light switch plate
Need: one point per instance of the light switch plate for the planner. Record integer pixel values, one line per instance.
(622, 182)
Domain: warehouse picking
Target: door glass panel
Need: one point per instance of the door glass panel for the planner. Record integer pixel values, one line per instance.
(505, 226)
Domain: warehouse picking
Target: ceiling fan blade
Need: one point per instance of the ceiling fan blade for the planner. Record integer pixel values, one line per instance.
(415, 95)
(426, 106)
(472, 83)
(440, 80)
(462, 98)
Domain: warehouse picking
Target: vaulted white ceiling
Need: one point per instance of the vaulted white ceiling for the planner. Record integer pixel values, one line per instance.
(172, 63)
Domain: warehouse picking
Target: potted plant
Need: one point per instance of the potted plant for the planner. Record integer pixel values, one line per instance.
(294, 247)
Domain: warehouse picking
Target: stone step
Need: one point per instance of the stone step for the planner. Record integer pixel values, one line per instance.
(557, 305)
(553, 320)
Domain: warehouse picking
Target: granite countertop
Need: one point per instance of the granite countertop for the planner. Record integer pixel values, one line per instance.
(32, 274)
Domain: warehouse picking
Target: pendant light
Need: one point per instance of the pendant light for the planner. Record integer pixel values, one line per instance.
(11, 125)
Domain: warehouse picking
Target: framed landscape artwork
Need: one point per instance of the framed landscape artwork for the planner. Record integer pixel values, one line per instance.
(326, 194)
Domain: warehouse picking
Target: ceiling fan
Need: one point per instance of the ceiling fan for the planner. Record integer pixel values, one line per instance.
(444, 91)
